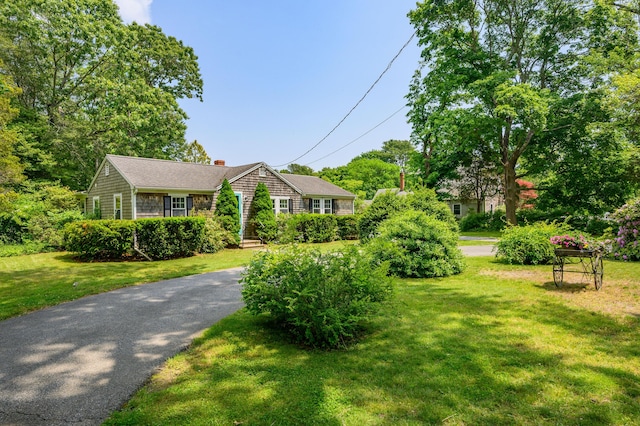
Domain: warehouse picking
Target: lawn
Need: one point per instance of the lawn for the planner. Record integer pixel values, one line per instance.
(29, 283)
(497, 344)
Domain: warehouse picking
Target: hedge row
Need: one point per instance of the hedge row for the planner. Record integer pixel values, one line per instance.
(315, 228)
(162, 238)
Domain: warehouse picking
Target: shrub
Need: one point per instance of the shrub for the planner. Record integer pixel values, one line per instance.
(11, 229)
(529, 244)
(227, 210)
(347, 227)
(263, 220)
(425, 200)
(475, 222)
(215, 237)
(322, 299)
(627, 239)
(170, 237)
(307, 227)
(99, 239)
(417, 245)
(382, 207)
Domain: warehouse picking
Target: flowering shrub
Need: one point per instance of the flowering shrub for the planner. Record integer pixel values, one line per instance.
(569, 241)
(625, 244)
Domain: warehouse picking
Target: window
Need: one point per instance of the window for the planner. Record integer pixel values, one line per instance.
(456, 209)
(321, 205)
(178, 206)
(106, 170)
(284, 205)
(96, 205)
(280, 205)
(117, 206)
(262, 171)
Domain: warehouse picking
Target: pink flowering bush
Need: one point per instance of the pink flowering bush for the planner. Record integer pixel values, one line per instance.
(570, 241)
(626, 245)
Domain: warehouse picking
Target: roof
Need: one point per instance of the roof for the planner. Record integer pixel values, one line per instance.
(312, 185)
(150, 174)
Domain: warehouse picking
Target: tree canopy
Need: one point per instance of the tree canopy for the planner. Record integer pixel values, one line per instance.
(496, 76)
(91, 85)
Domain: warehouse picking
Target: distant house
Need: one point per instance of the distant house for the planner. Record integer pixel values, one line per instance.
(135, 188)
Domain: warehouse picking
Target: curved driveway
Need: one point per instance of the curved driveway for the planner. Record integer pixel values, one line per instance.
(79, 361)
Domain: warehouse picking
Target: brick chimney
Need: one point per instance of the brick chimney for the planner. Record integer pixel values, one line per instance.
(218, 162)
(402, 180)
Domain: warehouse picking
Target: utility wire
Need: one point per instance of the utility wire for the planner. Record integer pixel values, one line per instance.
(359, 137)
(355, 106)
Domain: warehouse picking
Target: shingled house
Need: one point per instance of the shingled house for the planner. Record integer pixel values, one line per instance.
(135, 188)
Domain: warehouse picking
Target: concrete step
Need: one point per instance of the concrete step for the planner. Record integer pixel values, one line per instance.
(246, 244)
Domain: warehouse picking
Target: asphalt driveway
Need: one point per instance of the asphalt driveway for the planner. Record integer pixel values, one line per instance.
(79, 361)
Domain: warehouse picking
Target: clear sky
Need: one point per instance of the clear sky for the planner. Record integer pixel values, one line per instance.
(280, 74)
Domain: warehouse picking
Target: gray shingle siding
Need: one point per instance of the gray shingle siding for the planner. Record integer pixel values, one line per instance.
(105, 186)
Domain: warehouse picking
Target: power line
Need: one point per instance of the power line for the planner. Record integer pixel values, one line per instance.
(359, 137)
(355, 106)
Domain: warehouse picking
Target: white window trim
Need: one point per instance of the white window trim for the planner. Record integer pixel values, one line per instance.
(322, 209)
(116, 196)
(173, 210)
(106, 169)
(275, 203)
(96, 200)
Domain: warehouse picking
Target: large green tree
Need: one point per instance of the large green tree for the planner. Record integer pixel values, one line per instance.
(363, 176)
(492, 72)
(92, 85)
(10, 167)
(195, 153)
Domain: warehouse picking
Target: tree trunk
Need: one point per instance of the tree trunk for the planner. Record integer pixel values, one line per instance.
(510, 192)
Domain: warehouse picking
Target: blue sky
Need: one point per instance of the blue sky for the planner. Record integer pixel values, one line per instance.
(280, 74)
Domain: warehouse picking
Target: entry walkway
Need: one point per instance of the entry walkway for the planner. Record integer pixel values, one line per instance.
(77, 362)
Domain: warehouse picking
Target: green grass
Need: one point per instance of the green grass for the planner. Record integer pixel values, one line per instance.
(29, 283)
(498, 344)
(483, 234)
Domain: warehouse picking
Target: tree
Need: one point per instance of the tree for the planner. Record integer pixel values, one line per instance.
(298, 169)
(10, 167)
(500, 66)
(92, 85)
(263, 220)
(195, 153)
(228, 211)
(367, 175)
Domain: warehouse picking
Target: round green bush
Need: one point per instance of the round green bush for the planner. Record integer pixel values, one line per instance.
(417, 245)
(322, 299)
(528, 245)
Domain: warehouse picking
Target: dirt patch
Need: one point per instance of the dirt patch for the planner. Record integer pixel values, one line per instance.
(617, 297)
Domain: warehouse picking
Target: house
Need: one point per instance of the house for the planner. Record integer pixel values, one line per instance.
(134, 188)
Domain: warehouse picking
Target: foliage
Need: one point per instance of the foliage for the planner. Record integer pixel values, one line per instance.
(38, 214)
(10, 167)
(170, 237)
(529, 244)
(227, 210)
(387, 204)
(347, 227)
(503, 86)
(158, 238)
(100, 239)
(627, 240)
(417, 245)
(322, 299)
(393, 151)
(92, 85)
(483, 221)
(298, 169)
(262, 219)
(363, 175)
(571, 242)
(382, 207)
(307, 228)
(195, 153)
(215, 237)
